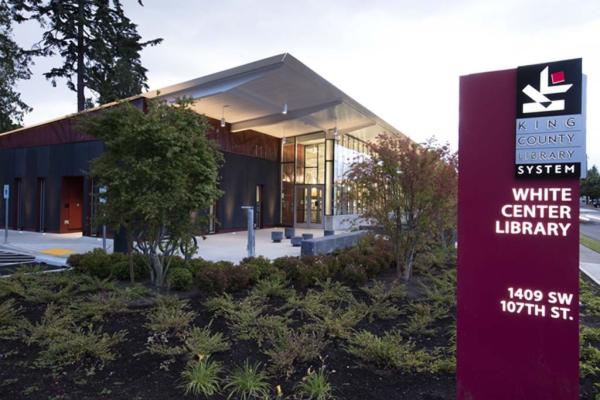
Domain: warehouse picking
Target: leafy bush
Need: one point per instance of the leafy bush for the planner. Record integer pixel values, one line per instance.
(420, 320)
(180, 279)
(213, 279)
(303, 272)
(381, 305)
(354, 275)
(95, 263)
(224, 277)
(260, 268)
(196, 264)
(99, 264)
(292, 346)
(10, 320)
(64, 343)
(389, 351)
(120, 269)
(203, 343)
(170, 315)
(177, 262)
(315, 386)
(272, 287)
(247, 383)
(202, 377)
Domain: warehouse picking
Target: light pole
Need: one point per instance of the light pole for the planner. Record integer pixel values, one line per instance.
(6, 198)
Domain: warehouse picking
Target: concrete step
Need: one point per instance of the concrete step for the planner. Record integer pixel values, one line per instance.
(10, 258)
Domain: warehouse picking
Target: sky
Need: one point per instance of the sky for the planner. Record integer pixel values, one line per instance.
(400, 59)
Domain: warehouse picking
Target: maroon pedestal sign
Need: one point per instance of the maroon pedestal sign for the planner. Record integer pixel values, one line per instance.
(518, 258)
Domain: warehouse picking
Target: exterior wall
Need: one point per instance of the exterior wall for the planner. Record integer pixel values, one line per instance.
(239, 177)
(55, 150)
(52, 163)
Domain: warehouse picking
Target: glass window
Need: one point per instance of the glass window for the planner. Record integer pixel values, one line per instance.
(288, 151)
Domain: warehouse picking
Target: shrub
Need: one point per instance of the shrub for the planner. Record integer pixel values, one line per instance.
(248, 382)
(63, 343)
(196, 264)
(180, 279)
(239, 278)
(11, 321)
(95, 263)
(381, 305)
(303, 272)
(389, 351)
(354, 275)
(177, 262)
(170, 314)
(213, 279)
(420, 320)
(120, 269)
(291, 346)
(203, 343)
(202, 377)
(260, 267)
(99, 264)
(315, 386)
(224, 277)
(272, 287)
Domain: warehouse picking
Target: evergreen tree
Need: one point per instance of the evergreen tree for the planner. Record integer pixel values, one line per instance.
(14, 65)
(590, 186)
(99, 45)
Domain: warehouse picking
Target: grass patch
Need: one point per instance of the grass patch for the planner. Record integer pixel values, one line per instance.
(202, 377)
(315, 386)
(248, 382)
(590, 243)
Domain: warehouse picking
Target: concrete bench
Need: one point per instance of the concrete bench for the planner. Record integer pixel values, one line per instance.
(277, 236)
(327, 244)
(289, 233)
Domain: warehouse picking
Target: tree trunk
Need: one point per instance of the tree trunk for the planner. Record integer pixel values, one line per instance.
(80, 58)
(158, 270)
(398, 255)
(409, 262)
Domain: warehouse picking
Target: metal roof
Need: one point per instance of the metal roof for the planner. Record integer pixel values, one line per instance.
(279, 96)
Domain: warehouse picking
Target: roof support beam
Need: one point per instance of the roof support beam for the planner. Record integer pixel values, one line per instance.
(279, 117)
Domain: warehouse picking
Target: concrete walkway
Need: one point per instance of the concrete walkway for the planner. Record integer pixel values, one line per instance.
(589, 263)
(54, 249)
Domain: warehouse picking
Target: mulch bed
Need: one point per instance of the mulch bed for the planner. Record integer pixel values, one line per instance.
(136, 373)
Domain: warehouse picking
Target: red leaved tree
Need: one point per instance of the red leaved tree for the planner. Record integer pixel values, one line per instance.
(408, 191)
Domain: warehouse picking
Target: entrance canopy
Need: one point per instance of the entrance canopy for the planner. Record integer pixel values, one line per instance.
(278, 96)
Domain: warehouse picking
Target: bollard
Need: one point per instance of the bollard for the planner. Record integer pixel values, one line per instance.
(251, 239)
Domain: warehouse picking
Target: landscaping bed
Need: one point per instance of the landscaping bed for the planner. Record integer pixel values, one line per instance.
(276, 331)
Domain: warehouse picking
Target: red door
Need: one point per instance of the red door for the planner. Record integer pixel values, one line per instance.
(71, 214)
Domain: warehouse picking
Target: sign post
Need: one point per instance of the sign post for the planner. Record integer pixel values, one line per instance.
(521, 151)
(6, 196)
(102, 200)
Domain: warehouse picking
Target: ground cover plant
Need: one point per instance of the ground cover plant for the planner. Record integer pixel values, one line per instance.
(276, 330)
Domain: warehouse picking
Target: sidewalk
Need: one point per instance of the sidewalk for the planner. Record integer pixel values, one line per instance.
(589, 263)
(54, 249)
(50, 248)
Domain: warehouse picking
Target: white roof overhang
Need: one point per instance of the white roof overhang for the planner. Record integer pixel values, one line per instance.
(254, 96)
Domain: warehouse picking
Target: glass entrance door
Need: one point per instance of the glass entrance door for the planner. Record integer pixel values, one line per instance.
(309, 206)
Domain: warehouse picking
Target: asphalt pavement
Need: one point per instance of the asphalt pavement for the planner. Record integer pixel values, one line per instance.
(589, 218)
